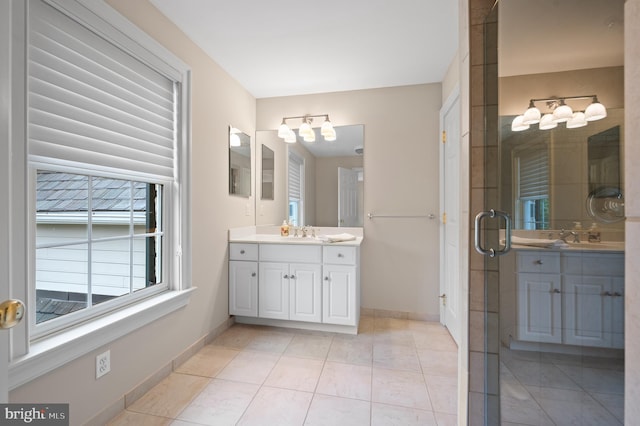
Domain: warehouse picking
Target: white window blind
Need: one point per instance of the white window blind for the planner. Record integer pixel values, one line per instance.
(92, 104)
(295, 177)
(533, 170)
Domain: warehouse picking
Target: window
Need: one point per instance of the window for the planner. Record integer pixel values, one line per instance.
(296, 189)
(106, 185)
(531, 172)
(97, 239)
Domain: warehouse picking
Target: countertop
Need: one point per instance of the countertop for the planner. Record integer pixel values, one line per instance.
(277, 239)
(608, 246)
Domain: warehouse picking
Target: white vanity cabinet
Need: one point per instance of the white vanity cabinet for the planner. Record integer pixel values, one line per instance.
(340, 285)
(305, 285)
(243, 279)
(574, 298)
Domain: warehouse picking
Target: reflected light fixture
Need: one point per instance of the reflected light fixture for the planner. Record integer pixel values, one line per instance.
(234, 139)
(305, 131)
(560, 113)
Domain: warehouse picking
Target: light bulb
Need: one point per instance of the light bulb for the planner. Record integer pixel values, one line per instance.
(547, 123)
(595, 111)
(576, 121)
(517, 125)
(291, 137)
(562, 113)
(327, 128)
(283, 130)
(305, 129)
(532, 115)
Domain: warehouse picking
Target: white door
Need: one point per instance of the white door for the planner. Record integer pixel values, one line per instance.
(450, 207)
(347, 197)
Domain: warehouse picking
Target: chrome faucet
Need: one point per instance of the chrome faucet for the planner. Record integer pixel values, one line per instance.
(565, 234)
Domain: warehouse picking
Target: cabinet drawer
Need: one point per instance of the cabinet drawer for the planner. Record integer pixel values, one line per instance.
(339, 255)
(241, 251)
(290, 253)
(539, 262)
(607, 264)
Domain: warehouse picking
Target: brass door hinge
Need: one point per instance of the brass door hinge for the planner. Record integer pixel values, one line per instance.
(444, 218)
(444, 136)
(443, 296)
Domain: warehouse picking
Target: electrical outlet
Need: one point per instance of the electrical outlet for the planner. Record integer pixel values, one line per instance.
(103, 364)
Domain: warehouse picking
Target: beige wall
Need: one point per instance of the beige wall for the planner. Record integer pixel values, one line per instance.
(400, 257)
(327, 187)
(217, 102)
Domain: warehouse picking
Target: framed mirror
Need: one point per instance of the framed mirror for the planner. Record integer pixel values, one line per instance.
(328, 179)
(268, 176)
(239, 163)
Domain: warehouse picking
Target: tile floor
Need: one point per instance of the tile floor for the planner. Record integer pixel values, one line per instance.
(394, 372)
(553, 389)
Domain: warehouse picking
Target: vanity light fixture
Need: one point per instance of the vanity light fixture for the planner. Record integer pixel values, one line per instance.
(306, 132)
(560, 113)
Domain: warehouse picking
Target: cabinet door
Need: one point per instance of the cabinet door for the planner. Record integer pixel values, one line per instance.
(243, 288)
(539, 308)
(587, 310)
(617, 312)
(305, 292)
(273, 290)
(339, 302)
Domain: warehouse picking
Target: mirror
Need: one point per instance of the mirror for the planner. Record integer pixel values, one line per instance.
(239, 163)
(549, 175)
(330, 198)
(267, 173)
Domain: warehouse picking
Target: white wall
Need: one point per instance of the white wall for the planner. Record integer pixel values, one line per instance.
(217, 102)
(400, 257)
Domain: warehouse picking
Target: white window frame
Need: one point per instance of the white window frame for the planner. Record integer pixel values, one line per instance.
(29, 357)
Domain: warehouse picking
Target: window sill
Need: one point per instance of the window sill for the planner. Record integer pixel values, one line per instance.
(52, 352)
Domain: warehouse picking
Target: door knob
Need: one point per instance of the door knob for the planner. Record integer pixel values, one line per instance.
(11, 312)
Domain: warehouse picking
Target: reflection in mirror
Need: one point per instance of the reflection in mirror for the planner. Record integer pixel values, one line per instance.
(323, 196)
(239, 163)
(548, 175)
(267, 183)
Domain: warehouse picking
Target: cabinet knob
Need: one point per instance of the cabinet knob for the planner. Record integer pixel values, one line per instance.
(253, 274)
(286, 276)
(340, 255)
(617, 293)
(607, 293)
(293, 277)
(326, 278)
(538, 262)
(556, 290)
(241, 251)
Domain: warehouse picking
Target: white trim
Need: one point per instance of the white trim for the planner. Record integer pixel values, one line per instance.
(52, 352)
(301, 325)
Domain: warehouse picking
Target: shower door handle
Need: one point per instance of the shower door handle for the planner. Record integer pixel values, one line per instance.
(507, 233)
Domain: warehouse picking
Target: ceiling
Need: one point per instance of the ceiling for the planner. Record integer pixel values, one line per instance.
(287, 47)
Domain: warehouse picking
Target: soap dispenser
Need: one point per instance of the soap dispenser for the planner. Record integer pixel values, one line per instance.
(284, 229)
